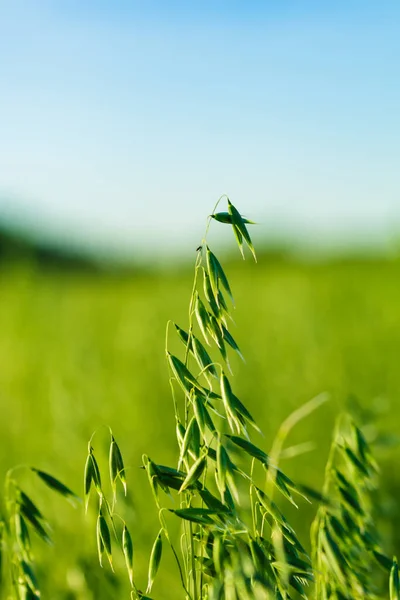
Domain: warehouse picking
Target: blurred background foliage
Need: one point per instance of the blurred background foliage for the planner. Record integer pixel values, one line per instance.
(82, 347)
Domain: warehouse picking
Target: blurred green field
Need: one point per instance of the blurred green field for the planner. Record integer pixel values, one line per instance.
(80, 351)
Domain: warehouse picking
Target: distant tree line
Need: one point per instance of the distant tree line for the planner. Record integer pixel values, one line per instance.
(16, 247)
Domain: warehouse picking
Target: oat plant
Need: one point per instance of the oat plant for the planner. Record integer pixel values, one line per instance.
(20, 521)
(227, 493)
(345, 542)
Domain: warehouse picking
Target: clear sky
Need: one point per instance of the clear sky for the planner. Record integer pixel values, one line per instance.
(127, 119)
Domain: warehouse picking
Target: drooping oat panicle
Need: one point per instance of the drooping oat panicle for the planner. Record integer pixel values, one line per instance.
(345, 545)
(20, 518)
(237, 542)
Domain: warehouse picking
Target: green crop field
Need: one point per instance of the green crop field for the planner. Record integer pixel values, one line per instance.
(79, 352)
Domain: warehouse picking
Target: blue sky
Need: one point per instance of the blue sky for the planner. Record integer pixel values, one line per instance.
(125, 120)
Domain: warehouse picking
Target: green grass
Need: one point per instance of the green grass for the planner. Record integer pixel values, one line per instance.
(78, 352)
